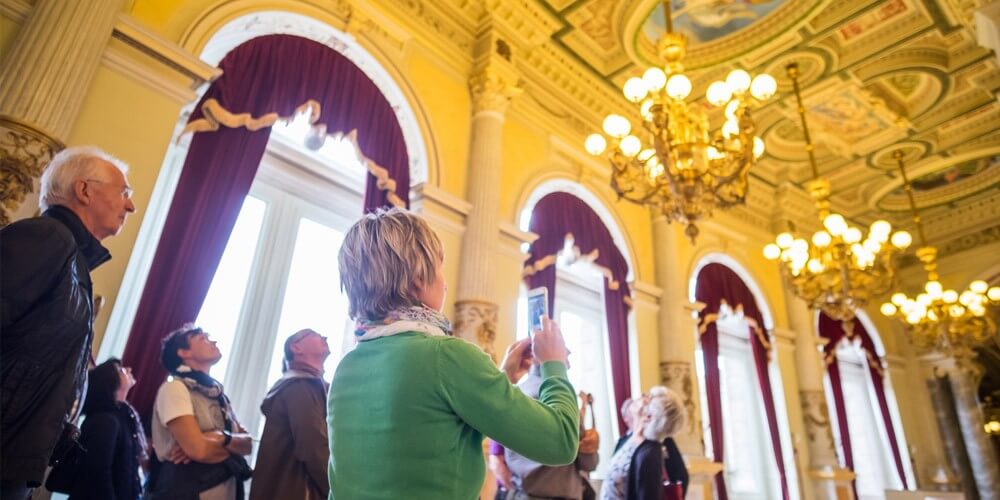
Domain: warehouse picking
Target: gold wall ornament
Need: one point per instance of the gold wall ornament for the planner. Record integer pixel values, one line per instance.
(838, 270)
(946, 321)
(476, 320)
(675, 163)
(24, 152)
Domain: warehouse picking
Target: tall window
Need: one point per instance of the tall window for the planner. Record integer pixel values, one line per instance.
(579, 309)
(751, 471)
(873, 463)
(279, 271)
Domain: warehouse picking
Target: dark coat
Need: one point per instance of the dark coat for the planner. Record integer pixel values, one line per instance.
(674, 463)
(109, 469)
(645, 474)
(294, 448)
(46, 328)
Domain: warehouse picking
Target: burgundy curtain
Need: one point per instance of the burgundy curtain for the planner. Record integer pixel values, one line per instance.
(557, 216)
(717, 284)
(835, 331)
(270, 74)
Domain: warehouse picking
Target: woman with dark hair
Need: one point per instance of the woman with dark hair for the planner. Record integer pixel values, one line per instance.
(111, 436)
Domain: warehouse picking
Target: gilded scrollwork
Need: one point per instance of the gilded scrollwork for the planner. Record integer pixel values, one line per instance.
(676, 375)
(24, 152)
(477, 320)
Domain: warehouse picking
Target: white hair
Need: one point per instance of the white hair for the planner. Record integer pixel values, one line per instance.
(67, 167)
(666, 414)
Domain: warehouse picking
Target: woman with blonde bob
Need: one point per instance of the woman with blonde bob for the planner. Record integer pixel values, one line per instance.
(409, 406)
(637, 468)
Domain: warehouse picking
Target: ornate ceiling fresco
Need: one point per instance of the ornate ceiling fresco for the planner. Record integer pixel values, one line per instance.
(877, 76)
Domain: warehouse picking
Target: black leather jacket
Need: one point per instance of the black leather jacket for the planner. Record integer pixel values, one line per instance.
(46, 330)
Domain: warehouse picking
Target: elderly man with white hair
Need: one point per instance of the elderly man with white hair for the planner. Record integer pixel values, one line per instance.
(47, 310)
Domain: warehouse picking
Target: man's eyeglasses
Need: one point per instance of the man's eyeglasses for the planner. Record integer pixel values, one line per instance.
(126, 189)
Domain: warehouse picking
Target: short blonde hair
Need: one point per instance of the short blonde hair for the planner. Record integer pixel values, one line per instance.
(386, 257)
(666, 414)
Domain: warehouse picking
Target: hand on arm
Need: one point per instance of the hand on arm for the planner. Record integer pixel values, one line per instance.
(195, 445)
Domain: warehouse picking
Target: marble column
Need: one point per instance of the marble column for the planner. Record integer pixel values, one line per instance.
(828, 479)
(45, 76)
(951, 437)
(964, 375)
(476, 310)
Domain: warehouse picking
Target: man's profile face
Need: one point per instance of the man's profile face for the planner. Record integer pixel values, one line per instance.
(108, 200)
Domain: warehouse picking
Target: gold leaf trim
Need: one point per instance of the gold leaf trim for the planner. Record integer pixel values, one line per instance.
(215, 116)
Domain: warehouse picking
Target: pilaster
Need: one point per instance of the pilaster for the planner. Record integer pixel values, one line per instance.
(45, 77)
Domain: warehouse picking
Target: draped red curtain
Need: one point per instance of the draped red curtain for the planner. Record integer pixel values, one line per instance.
(835, 332)
(264, 78)
(717, 284)
(556, 217)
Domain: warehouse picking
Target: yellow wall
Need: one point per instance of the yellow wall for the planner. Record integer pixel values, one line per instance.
(135, 121)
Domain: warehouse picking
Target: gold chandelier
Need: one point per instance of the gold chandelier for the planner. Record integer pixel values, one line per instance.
(676, 164)
(939, 319)
(838, 270)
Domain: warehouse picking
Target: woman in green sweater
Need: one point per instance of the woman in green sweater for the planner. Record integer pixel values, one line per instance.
(410, 405)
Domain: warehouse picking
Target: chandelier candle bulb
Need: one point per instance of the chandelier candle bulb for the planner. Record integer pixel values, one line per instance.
(763, 87)
(678, 87)
(730, 129)
(771, 251)
(655, 79)
(888, 309)
(993, 294)
(595, 144)
(617, 126)
(852, 235)
(630, 145)
(739, 81)
(821, 239)
(718, 93)
(635, 89)
(901, 240)
(978, 286)
(758, 147)
(835, 224)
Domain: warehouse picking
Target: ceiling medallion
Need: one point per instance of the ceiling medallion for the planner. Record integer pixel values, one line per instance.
(674, 163)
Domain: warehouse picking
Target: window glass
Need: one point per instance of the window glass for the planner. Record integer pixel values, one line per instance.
(220, 313)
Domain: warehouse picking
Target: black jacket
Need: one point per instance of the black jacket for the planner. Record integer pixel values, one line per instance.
(645, 473)
(674, 463)
(109, 468)
(46, 328)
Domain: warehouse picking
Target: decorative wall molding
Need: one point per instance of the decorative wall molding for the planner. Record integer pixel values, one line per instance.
(476, 321)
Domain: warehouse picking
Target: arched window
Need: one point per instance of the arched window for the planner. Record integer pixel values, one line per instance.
(249, 245)
(580, 300)
(744, 415)
(870, 441)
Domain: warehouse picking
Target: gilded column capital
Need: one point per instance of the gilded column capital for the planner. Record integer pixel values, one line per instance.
(815, 413)
(678, 377)
(476, 321)
(24, 152)
(492, 91)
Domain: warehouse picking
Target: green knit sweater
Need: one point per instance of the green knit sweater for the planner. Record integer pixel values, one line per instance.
(407, 415)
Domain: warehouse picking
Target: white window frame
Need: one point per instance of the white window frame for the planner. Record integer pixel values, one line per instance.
(294, 183)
